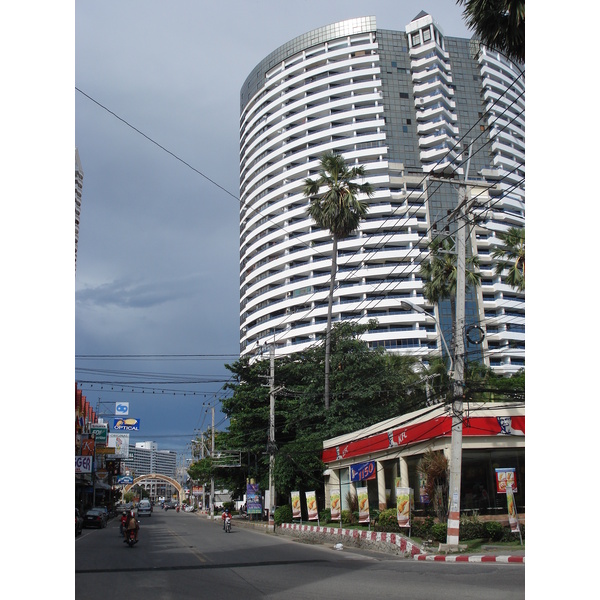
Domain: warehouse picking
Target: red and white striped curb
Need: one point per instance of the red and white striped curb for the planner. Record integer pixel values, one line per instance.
(404, 544)
(395, 539)
(474, 558)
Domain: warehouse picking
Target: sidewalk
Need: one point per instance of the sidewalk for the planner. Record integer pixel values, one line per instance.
(399, 544)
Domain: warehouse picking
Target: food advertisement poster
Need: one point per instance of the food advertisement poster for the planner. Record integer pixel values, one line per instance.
(363, 505)
(504, 478)
(296, 509)
(253, 501)
(334, 504)
(404, 498)
(423, 495)
(311, 506)
(513, 520)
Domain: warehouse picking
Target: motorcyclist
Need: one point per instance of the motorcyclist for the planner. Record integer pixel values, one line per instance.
(132, 523)
(224, 516)
(123, 521)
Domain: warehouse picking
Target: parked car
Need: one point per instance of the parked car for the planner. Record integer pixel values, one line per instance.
(105, 510)
(78, 522)
(95, 517)
(144, 508)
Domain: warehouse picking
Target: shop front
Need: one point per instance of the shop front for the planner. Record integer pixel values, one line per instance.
(387, 456)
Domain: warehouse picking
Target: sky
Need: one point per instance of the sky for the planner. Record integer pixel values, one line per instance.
(158, 253)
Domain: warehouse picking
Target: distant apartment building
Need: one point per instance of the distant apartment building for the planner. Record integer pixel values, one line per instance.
(78, 189)
(409, 106)
(145, 459)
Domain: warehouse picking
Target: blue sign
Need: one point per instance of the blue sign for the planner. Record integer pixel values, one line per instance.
(124, 479)
(363, 471)
(122, 408)
(128, 424)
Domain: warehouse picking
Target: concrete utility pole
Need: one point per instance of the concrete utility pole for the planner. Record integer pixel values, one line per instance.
(453, 524)
(452, 536)
(272, 435)
(212, 454)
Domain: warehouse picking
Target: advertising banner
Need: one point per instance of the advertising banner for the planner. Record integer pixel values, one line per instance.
(311, 506)
(296, 508)
(404, 497)
(87, 446)
(122, 409)
(513, 520)
(363, 505)
(83, 464)
(253, 502)
(504, 478)
(129, 424)
(119, 442)
(423, 495)
(335, 505)
(363, 471)
(99, 433)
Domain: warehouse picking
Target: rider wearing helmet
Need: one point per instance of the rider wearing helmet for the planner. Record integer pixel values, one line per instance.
(132, 523)
(224, 516)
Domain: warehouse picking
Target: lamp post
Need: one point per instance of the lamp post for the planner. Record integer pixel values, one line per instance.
(410, 306)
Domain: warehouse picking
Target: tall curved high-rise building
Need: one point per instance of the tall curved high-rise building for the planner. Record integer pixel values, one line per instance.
(411, 107)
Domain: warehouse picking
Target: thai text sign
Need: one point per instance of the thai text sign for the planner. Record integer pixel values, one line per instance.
(363, 471)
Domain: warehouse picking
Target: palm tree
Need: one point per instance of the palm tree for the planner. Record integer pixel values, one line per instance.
(339, 210)
(512, 257)
(499, 24)
(439, 274)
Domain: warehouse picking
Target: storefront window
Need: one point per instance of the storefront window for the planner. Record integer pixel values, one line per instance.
(479, 494)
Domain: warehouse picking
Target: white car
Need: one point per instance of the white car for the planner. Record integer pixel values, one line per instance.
(144, 508)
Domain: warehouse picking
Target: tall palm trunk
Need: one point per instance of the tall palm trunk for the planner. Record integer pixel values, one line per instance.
(329, 311)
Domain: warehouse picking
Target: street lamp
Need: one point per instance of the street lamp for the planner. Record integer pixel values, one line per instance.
(410, 306)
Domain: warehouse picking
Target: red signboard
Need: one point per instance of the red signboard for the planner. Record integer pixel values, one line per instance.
(422, 432)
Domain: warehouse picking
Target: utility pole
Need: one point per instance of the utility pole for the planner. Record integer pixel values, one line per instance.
(452, 536)
(212, 454)
(272, 435)
(453, 523)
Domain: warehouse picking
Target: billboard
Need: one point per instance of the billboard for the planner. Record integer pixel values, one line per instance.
(129, 424)
(122, 409)
(120, 444)
(83, 464)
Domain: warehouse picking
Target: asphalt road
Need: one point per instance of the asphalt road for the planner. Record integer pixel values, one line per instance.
(183, 555)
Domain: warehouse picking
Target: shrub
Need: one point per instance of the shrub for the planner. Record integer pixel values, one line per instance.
(471, 528)
(439, 532)
(229, 506)
(387, 520)
(282, 514)
(348, 517)
(422, 527)
(325, 516)
(494, 530)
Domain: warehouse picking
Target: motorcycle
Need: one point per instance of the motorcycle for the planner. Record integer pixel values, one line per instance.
(130, 538)
(228, 525)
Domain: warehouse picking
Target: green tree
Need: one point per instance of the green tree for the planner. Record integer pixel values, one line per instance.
(511, 255)
(439, 274)
(339, 210)
(499, 24)
(367, 386)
